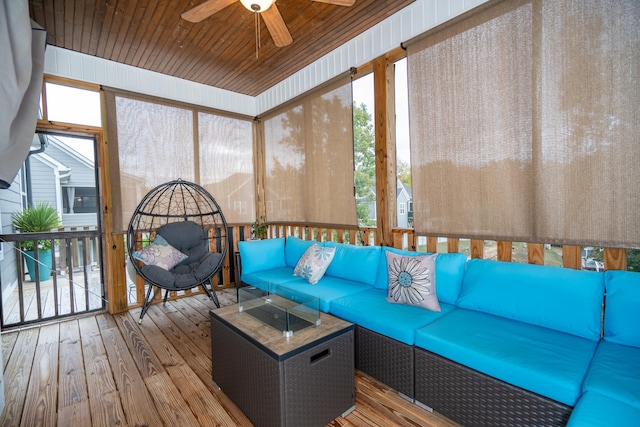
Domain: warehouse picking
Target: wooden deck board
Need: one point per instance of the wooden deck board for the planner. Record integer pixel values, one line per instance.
(136, 400)
(16, 376)
(104, 403)
(110, 370)
(40, 406)
(72, 382)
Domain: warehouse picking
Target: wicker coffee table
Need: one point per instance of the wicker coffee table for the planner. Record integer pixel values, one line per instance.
(306, 379)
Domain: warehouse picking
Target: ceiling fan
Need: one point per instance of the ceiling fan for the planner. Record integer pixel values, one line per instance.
(267, 8)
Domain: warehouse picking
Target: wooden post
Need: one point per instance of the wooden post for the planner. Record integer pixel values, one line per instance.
(385, 149)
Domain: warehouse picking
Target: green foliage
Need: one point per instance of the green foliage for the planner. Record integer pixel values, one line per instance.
(404, 173)
(633, 259)
(259, 228)
(41, 218)
(365, 162)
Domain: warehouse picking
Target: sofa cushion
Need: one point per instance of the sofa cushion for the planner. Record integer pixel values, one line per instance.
(622, 308)
(412, 280)
(615, 372)
(294, 248)
(327, 289)
(313, 263)
(596, 410)
(370, 310)
(558, 298)
(541, 360)
(449, 271)
(356, 263)
(262, 279)
(258, 255)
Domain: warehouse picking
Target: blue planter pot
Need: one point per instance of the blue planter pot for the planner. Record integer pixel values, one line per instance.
(44, 257)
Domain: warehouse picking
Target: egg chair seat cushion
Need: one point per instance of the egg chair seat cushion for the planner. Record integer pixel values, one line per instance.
(200, 264)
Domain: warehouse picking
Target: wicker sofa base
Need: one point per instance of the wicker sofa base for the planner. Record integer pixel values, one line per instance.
(386, 360)
(475, 399)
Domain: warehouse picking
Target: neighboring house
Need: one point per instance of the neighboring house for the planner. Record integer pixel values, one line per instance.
(404, 206)
(60, 176)
(66, 179)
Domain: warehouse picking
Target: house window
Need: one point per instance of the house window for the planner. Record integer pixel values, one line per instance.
(77, 200)
(401, 209)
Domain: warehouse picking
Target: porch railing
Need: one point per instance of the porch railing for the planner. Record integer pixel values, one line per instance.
(74, 286)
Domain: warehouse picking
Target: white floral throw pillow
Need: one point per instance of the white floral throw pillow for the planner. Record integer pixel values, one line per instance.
(161, 254)
(313, 263)
(412, 280)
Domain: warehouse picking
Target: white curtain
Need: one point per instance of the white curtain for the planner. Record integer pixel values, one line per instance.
(22, 43)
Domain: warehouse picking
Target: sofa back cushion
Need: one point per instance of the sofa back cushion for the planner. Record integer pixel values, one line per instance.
(294, 248)
(259, 255)
(622, 308)
(449, 273)
(357, 263)
(563, 299)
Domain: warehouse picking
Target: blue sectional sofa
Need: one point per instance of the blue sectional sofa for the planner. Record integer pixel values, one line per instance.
(513, 344)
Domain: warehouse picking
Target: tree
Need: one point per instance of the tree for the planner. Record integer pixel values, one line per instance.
(404, 173)
(365, 163)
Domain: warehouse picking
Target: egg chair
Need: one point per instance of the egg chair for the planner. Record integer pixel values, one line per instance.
(177, 240)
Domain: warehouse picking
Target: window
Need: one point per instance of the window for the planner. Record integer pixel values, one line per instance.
(401, 209)
(77, 200)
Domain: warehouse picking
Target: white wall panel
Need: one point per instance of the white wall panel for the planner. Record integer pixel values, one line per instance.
(78, 66)
(411, 21)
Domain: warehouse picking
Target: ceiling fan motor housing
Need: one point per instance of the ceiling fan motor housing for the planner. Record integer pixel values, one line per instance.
(257, 5)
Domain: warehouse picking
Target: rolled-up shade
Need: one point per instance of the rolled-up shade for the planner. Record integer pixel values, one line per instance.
(309, 158)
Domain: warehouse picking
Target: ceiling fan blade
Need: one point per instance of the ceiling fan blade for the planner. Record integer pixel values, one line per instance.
(338, 2)
(205, 10)
(276, 26)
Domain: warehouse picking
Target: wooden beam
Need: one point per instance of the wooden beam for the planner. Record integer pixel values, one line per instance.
(385, 149)
(259, 166)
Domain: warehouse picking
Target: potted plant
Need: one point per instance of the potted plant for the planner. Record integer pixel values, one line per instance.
(40, 218)
(259, 228)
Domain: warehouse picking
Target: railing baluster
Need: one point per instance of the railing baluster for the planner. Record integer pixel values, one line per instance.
(87, 270)
(54, 268)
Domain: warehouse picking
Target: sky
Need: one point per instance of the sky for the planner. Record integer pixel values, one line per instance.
(363, 94)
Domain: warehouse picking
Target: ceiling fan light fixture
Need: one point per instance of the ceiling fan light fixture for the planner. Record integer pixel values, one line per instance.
(257, 5)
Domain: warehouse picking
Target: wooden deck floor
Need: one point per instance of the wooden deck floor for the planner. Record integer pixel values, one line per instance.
(105, 370)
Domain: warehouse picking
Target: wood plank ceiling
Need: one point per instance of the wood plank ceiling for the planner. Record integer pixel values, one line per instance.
(219, 51)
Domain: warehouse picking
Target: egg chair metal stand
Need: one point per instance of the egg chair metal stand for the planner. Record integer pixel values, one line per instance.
(190, 221)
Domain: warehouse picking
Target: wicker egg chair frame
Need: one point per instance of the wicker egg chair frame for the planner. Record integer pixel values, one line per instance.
(190, 220)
